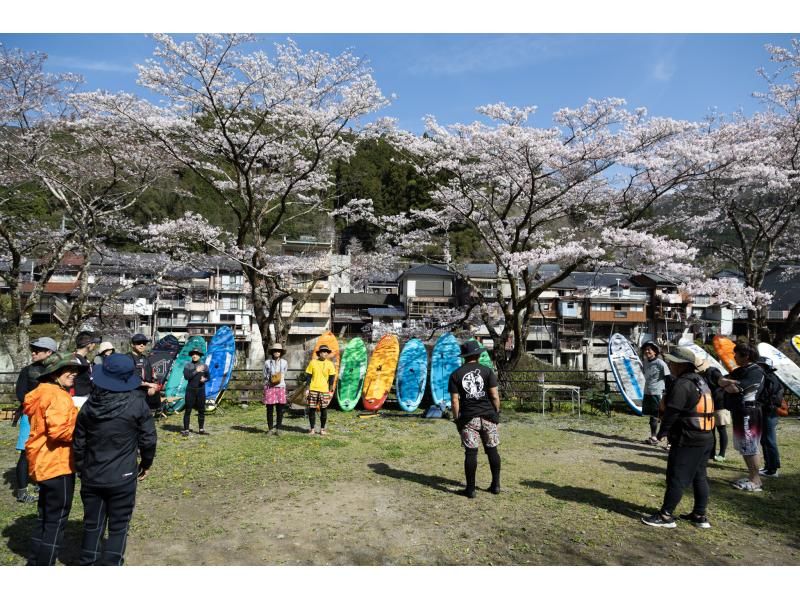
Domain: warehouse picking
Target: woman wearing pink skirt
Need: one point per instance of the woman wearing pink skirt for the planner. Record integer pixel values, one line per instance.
(275, 386)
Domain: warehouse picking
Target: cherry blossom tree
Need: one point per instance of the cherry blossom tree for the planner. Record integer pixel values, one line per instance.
(69, 175)
(578, 194)
(261, 131)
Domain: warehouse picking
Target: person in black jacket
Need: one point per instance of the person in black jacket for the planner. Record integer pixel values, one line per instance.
(28, 380)
(688, 424)
(196, 373)
(114, 424)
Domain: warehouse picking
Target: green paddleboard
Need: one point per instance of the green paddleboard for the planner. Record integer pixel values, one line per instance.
(175, 387)
(352, 369)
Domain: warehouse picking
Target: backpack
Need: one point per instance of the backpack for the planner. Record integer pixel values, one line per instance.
(770, 395)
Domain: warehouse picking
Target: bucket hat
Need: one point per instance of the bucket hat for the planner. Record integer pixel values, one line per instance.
(470, 348)
(323, 348)
(277, 347)
(684, 355)
(57, 362)
(117, 373)
(104, 346)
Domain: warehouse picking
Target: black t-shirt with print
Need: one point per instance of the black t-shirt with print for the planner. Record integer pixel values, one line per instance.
(472, 382)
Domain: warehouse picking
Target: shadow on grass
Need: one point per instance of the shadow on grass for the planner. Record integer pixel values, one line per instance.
(10, 479)
(601, 435)
(662, 455)
(433, 481)
(172, 428)
(263, 430)
(19, 532)
(624, 445)
(401, 414)
(638, 467)
(594, 498)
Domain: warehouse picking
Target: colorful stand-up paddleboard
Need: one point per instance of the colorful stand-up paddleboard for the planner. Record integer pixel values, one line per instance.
(175, 388)
(785, 369)
(162, 356)
(723, 347)
(219, 359)
(445, 359)
(329, 340)
(380, 372)
(796, 343)
(703, 354)
(412, 375)
(351, 374)
(627, 369)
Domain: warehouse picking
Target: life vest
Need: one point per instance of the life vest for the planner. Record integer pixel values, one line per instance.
(701, 417)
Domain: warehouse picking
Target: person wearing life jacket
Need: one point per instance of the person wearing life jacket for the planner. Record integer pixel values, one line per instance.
(144, 367)
(52, 415)
(28, 379)
(688, 424)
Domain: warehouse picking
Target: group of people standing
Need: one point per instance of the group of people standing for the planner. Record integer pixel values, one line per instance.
(690, 398)
(89, 420)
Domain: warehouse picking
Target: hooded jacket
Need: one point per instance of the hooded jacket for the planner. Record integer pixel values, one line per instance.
(112, 427)
(49, 447)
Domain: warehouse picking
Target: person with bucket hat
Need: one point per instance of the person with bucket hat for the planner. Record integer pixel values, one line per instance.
(41, 348)
(49, 450)
(320, 389)
(475, 404)
(85, 342)
(688, 424)
(112, 428)
(275, 370)
(104, 350)
(196, 373)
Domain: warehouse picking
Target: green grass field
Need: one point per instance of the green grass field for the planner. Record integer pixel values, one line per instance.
(383, 491)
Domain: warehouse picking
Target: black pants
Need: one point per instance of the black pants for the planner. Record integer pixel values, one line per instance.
(278, 407)
(55, 503)
(22, 471)
(686, 465)
(101, 506)
(195, 399)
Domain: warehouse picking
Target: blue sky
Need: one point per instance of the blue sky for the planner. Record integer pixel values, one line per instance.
(448, 75)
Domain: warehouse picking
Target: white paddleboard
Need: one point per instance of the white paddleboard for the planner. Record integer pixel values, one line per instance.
(785, 369)
(627, 369)
(703, 354)
(796, 343)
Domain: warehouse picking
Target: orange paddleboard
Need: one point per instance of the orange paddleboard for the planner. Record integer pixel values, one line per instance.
(380, 372)
(328, 339)
(723, 347)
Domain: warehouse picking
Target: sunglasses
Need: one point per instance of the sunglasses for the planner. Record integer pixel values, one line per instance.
(38, 350)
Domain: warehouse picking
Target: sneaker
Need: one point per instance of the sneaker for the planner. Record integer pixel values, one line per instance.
(184, 433)
(659, 520)
(322, 432)
(719, 458)
(25, 497)
(653, 441)
(310, 432)
(203, 432)
(768, 474)
(700, 521)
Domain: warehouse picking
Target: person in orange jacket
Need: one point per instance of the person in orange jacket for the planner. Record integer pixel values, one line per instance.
(52, 415)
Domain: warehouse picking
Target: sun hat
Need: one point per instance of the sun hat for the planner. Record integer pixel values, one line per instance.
(117, 373)
(277, 347)
(45, 342)
(684, 355)
(104, 346)
(56, 362)
(470, 348)
(653, 346)
(86, 338)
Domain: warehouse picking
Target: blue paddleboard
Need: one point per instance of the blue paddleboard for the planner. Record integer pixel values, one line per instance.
(219, 359)
(412, 374)
(445, 359)
(628, 371)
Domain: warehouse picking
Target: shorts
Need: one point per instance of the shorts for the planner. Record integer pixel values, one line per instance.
(479, 430)
(24, 432)
(722, 417)
(317, 398)
(747, 430)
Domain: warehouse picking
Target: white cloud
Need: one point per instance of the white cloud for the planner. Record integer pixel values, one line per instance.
(663, 70)
(81, 64)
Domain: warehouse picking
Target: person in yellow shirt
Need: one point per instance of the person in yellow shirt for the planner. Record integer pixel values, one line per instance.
(320, 390)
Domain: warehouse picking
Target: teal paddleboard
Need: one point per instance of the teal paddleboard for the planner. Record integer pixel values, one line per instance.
(412, 374)
(445, 359)
(175, 388)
